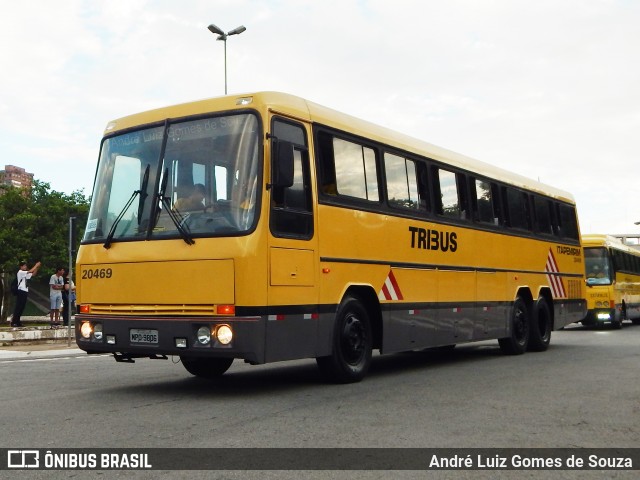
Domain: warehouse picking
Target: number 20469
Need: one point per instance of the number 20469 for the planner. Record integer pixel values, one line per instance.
(97, 273)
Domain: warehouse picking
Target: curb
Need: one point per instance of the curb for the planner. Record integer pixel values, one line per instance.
(35, 335)
(33, 332)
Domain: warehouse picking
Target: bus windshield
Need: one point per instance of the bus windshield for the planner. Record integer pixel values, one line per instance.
(597, 266)
(195, 177)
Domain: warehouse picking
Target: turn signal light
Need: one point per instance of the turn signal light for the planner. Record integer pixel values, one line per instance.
(84, 308)
(226, 310)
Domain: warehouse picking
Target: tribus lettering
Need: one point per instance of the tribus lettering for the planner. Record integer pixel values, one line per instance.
(427, 239)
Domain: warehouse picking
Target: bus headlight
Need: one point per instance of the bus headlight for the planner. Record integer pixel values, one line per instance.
(97, 331)
(204, 335)
(224, 334)
(85, 330)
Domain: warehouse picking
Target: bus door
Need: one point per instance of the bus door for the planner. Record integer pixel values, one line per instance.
(293, 264)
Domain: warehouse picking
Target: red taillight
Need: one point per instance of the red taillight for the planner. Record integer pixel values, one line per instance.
(84, 308)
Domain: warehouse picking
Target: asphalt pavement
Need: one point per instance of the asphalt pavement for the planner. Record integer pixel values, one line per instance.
(39, 351)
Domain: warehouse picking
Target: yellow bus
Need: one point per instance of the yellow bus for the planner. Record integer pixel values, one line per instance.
(613, 281)
(312, 234)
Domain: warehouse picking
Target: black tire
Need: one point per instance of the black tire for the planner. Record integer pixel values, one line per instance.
(352, 344)
(206, 367)
(518, 340)
(636, 321)
(616, 323)
(541, 323)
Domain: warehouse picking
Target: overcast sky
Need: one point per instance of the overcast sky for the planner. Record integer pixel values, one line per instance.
(549, 89)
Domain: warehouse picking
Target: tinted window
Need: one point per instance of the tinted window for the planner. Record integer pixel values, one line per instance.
(542, 209)
(568, 222)
(449, 199)
(484, 202)
(402, 184)
(517, 209)
(355, 170)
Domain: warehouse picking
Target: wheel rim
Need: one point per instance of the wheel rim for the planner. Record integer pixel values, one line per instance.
(353, 340)
(520, 325)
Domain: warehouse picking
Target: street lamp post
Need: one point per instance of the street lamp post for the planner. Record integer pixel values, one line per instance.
(223, 36)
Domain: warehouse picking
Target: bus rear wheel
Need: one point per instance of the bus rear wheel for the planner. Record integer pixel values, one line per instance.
(206, 367)
(540, 333)
(518, 340)
(352, 344)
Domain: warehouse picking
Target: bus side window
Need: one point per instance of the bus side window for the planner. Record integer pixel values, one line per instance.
(542, 215)
(483, 202)
(448, 196)
(402, 182)
(568, 222)
(347, 169)
(517, 208)
(553, 218)
(463, 196)
(617, 260)
(325, 165)
(423, 186)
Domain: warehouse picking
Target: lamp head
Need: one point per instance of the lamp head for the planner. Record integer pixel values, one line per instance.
(237, 30)
(213, 29)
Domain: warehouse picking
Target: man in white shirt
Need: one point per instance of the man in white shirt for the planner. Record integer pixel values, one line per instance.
(56, 284)
(23, 291)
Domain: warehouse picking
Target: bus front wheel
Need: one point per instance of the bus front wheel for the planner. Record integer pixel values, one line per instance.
(206, 367)
(540, 334)
(619, 317)
(518, 340)
(351, 346)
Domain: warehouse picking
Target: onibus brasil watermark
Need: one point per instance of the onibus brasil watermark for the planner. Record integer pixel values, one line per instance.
(320, 459)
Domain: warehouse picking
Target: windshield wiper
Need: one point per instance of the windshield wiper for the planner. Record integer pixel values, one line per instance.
(143, 196)
(112, 232)
(143, 192)
(177, 221)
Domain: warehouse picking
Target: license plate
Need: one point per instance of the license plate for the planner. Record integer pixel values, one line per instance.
(137, 335)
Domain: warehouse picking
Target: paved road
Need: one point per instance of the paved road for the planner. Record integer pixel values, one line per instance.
(582, 392)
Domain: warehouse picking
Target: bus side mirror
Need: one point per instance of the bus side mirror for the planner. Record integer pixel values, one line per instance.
(282, 165)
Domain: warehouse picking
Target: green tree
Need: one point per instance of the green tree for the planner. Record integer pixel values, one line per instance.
(34, 226)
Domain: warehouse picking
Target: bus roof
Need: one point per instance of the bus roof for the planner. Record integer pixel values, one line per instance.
(309, 111)
(604, 240)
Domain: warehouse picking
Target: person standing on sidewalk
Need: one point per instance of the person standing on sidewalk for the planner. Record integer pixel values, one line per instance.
(56, 285)
(68, 297)
(23, 291)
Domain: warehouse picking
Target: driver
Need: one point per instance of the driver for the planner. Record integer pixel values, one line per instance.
(194, 202)
(596, 272)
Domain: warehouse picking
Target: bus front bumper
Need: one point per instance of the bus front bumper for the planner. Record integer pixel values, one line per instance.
(138, 337)
(600, 316)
